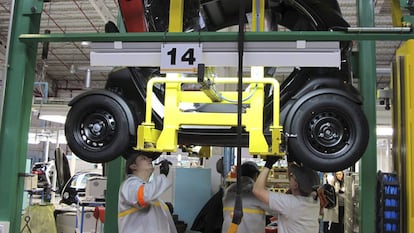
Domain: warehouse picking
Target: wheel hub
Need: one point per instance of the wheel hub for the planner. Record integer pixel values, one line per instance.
(97, 129)
(328, 132)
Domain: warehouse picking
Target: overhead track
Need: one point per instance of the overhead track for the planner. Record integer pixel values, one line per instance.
(215, 36)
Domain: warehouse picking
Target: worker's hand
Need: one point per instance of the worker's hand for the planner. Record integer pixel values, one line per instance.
(270, 160)
(164, 166)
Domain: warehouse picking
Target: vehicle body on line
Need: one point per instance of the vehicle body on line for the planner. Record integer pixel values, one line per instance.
(324, 125)
(75, 187)
(44, 172)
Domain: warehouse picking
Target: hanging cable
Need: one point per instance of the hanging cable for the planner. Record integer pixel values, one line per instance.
(238, 206)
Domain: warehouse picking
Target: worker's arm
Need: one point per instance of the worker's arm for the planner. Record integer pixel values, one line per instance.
(259, 188)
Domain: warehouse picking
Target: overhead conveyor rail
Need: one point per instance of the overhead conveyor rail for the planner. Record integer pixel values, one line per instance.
(217, 36)
(279, 54)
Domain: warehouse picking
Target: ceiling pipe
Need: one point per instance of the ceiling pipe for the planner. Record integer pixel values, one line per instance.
(44, 91)
(88, 79)
(383, 70)
(95, 68)
(379, 29)
(63, 63)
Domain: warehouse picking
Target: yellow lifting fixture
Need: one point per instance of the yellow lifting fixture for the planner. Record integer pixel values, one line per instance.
(165, 140)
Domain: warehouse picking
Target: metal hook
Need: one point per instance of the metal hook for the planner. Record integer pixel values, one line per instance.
(27, 220)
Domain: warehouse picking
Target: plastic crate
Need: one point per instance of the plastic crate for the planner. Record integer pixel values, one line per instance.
(388, 203)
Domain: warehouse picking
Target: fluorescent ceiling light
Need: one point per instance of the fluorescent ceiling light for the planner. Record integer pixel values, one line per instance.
(53, 118)
(384, 131)
(60, 140)
(85, 43)
(32, 139)
(36, 138)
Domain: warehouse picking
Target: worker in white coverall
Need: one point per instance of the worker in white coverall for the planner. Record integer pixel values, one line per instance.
(254, 210)
(298, 210)
(139, 206)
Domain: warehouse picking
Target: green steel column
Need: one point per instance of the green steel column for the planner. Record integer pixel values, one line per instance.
(17, 104)
(367, 78)
(115, 175)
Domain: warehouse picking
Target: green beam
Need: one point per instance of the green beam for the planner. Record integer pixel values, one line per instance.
(115, 175)
(14, 125)
(214, 36)
(368, 163)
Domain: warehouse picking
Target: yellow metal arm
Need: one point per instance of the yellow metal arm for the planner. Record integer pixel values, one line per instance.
(165, 140)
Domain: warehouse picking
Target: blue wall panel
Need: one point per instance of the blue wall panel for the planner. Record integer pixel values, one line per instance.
(192, 189)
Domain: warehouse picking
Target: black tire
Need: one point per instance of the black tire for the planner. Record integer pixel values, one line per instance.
(96, 129)
(329, 133)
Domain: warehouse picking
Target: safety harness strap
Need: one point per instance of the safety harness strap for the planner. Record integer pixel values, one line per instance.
(135, 209)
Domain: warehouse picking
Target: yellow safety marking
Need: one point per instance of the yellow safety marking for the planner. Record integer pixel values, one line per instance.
(246, 210)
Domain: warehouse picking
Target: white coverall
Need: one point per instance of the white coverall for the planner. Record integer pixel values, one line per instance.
(254, 210)
(140, 210)
(297, 214)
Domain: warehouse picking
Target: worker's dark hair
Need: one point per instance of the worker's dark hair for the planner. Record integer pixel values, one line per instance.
(249, 169)
(305, 177)
(132, 156)
(130, 160)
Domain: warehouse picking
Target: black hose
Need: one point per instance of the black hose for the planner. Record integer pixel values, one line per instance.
(238, 206)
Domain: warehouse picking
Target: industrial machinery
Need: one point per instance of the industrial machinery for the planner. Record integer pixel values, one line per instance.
(321, 113)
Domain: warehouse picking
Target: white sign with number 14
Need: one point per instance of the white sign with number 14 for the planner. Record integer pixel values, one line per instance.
(181, 58)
